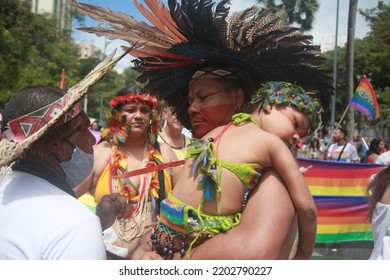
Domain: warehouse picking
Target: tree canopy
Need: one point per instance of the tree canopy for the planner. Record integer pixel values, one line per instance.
(371, 58)
(35, 52)
(300, 12)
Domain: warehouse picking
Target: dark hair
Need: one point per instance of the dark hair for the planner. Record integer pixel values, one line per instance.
(374, 147)
(243, 80)
(230, 84)
(377, 188)
(128, 90)
(344, 131)
(30, 99)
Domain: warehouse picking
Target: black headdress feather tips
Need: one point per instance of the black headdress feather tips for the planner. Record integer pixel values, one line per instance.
(195, 32)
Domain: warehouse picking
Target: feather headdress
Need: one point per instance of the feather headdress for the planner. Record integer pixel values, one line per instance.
(10, 151)
(189, 35)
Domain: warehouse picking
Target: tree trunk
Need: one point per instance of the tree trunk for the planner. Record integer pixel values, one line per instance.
(350, 58)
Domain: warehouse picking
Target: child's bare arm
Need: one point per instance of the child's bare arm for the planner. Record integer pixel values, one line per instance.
(285, 164)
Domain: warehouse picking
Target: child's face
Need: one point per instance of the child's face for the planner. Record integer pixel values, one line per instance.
(287, 123)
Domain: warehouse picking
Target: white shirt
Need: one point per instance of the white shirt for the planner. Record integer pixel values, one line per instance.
(381, 230)
(383, 158)
(349, 153)
(40, 221)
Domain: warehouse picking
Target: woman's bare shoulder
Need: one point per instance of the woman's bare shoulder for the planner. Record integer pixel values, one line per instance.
(102, 150)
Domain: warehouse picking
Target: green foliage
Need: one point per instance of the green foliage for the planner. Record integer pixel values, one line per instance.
(34, 52)
(371, 58)
(300, 12)
(377, 44)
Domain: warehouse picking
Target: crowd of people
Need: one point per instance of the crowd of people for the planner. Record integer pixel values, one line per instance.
(161, 192)
(331, 147)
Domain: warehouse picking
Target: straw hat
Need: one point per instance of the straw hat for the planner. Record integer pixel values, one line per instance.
(11, 149)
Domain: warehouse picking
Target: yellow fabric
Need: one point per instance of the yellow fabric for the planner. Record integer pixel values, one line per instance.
(103, 184)
(180, 152)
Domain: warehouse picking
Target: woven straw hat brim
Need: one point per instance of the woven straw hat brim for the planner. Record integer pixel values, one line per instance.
(10, 151)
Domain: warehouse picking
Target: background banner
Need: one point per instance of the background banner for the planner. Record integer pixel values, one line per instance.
(339, 191)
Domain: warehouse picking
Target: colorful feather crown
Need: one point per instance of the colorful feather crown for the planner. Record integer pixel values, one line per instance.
(196, 32)
(281, 93)
(134, 97)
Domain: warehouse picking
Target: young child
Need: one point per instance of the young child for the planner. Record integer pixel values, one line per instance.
(224, 167)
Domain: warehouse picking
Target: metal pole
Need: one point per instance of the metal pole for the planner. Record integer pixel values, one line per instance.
(333, 108)
(101, 93)
(101, 107)
(86, 104)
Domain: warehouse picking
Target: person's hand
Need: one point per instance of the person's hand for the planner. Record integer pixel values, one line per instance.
(303, 170)
(110, 207)
(144, 250)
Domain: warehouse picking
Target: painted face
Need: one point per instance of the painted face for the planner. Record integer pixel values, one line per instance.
(137, 116)
(79, 134)
(210, 106)
(287, 123)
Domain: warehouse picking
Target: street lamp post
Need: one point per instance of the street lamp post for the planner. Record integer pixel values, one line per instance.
(333, 109)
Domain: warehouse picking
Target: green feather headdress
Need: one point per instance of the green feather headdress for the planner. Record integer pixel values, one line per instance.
(282, 93)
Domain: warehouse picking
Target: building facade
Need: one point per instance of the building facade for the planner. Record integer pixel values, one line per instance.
(60, 8)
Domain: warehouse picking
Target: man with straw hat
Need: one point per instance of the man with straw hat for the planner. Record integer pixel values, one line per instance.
(45, 132)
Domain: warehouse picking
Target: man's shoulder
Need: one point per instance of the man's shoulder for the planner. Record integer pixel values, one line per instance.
(351, 146)
(383, 158)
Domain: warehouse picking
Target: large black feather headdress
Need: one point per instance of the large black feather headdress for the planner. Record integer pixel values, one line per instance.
(189, 35)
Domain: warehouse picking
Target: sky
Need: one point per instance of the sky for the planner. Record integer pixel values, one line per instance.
(323, 32)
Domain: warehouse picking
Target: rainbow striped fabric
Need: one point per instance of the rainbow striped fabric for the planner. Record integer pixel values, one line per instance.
(339, 193)
(364, 100)
(89, 201)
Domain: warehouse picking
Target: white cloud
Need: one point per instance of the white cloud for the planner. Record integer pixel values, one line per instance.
(238, 5)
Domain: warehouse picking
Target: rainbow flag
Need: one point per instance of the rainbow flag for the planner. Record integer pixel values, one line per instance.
(339, 191)
(364, 100)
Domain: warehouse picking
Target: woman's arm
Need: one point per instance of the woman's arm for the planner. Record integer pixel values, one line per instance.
(169, 156)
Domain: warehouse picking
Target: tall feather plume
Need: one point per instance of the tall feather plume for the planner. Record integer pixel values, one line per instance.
(122, 26)
(220, 22)
(160, 17)
(190, 33)
(239, 31)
